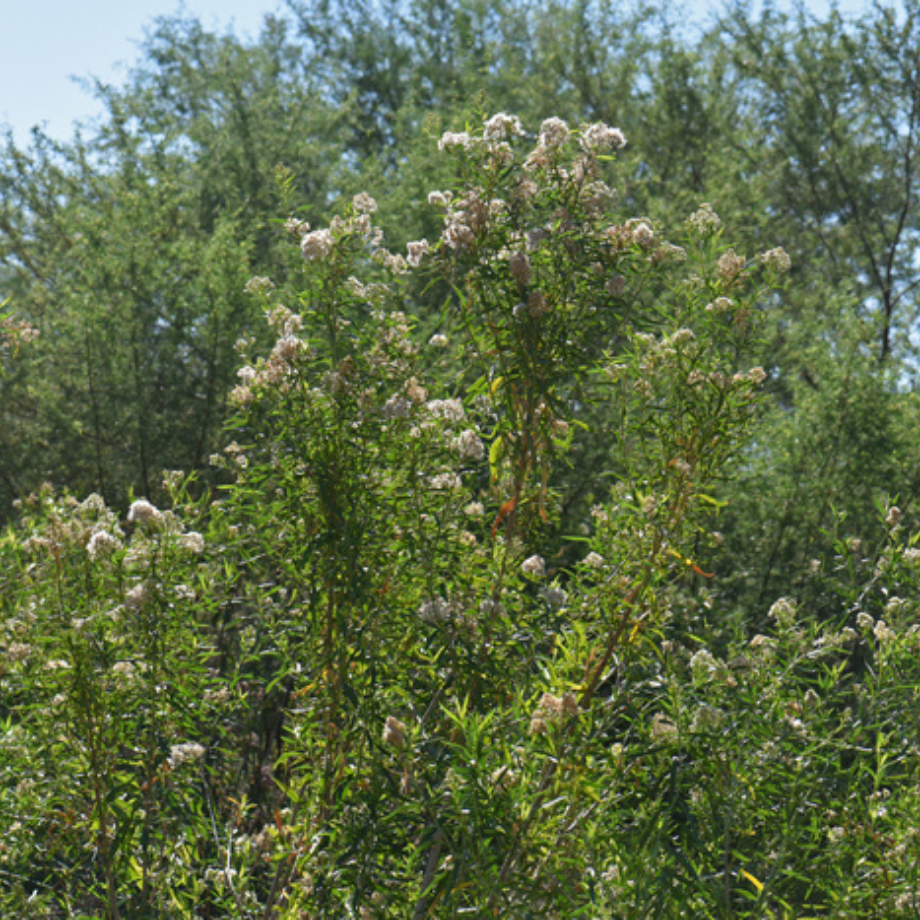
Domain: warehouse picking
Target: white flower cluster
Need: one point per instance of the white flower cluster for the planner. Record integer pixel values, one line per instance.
(438, 610)
(445, 482)
(259, 285)
(643, 235)
(364, 203)
(180, 754)
(417, 250)
(703, 665)
(730, 265)
(883, 632)
(720, 305)
(707, 718)
(535, 567)
(502, 126)
(554, 132)
(145, 515)
(705, 220)
(777, 260)
(136, 597)
(783, 611)
(493, 142)
(450, 410)
(317, 245)
(192, 542)
(554, 596)
(469, 445)
(101, 545)
(600, 137)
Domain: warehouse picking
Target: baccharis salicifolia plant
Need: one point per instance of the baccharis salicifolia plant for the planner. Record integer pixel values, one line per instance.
(383, 683)
(445, 667)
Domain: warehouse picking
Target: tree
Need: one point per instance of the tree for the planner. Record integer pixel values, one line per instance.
(130, 248)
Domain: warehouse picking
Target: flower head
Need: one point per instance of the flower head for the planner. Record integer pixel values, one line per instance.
(535, 566)
(145, 514)
(600, 137)
(316, 245)
(502, 126)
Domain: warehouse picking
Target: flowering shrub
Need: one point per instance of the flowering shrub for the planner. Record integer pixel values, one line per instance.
(373, 679)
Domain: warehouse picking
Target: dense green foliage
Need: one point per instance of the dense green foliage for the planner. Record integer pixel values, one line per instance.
(128, 247)
(557, 561)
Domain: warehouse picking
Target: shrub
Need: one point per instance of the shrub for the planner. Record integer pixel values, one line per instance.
(375, 679)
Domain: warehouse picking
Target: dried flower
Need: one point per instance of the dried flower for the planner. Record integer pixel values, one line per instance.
(537, 304)
(394, 733)
(730, 265)
(519, 265)
(136, 597)
(662, 727)
(553, 710)
(616, 286)
(417, 250)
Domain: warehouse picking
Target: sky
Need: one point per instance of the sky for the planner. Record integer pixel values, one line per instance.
(44, 44)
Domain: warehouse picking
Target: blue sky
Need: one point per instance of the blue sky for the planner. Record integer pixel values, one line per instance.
(45, 43)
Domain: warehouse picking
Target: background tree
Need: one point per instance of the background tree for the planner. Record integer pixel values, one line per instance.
(130, 248)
